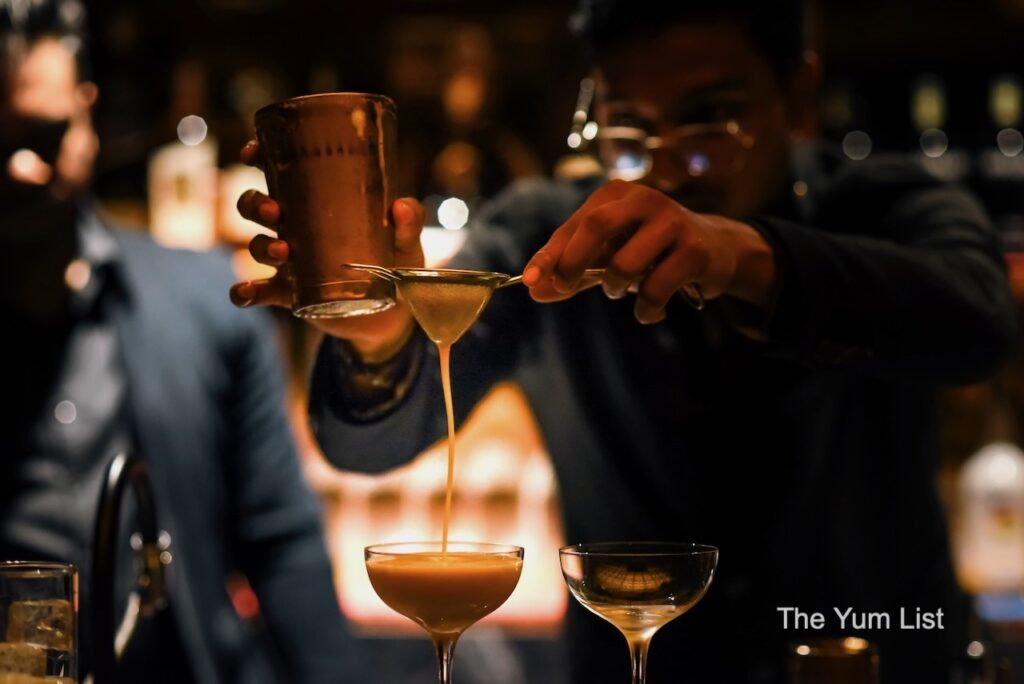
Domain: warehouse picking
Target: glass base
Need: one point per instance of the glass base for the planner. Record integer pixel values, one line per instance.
(344, 309)
(343, 299)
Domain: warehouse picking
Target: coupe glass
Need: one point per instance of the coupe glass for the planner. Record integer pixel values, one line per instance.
(444, 592)
(638, 586)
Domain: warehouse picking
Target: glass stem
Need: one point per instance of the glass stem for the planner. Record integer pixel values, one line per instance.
(445, 648)
(638, 644)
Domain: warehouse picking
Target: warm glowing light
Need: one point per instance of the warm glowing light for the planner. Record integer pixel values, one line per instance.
(928, 104)
(77, 275)
(1002, 467)
(855, 644)
(1005, 101)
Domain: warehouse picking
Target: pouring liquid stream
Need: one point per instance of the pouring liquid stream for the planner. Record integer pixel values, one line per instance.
(445, 309)
(445, 351)
(445, 303)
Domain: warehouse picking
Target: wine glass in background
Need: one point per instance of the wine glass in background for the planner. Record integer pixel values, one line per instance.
(638, 586)
(444, 592)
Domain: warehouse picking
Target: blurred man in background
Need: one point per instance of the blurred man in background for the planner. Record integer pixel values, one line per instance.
(791, 421)
(113, 344)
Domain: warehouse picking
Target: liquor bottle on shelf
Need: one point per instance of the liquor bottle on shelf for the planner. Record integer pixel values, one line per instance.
(929, 114)
(991, 539)
(1004, 158)
(842, 118)
(1000, 164)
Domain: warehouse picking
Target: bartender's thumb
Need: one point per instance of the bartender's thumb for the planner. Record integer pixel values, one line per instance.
(408, 215)
(267, 292)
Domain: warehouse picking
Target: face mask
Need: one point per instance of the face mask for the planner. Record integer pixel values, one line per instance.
(42, 136)
(27, 210)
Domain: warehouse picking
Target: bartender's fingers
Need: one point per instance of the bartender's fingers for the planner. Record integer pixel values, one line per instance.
(540, 270)
(545, 291)
(271, 291)
(255, 206)
(590, 240)
(638, 256)
(542, 265)
(250, 154)
(268, 250)
(674, 271)
(408, 215)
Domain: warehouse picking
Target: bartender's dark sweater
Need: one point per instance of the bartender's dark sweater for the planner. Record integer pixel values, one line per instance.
(808, 459)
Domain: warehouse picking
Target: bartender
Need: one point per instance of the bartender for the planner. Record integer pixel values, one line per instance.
(790, 422)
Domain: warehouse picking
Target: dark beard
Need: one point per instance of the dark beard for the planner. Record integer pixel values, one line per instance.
(30, 216)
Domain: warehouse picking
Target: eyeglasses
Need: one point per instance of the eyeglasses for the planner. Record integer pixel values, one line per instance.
(625, 145)
(702, 150)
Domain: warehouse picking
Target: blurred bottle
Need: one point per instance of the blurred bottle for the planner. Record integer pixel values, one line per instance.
(182, 175)
(929, 114)
(1000, 164)
(849, 660)
(843, 118)
(183, 190)
(477, 154)
(991, 543)
(1006, 110)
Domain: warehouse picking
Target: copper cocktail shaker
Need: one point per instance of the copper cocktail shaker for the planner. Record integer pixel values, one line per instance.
(329, 161)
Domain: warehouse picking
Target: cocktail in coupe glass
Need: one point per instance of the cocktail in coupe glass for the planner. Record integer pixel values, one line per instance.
(638, 586)
(444, 586)
(445, 304)
(444, 592)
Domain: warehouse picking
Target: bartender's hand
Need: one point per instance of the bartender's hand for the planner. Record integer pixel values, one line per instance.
(648, 242)
(377, 336)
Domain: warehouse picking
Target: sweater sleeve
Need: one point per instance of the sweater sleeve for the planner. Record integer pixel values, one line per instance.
(903, 275)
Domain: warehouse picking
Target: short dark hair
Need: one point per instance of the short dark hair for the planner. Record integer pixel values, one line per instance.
(25, 22)
(776, 27)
